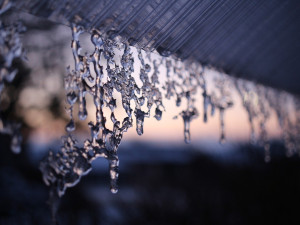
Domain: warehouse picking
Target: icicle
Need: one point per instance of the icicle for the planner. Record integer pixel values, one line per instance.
(187, 116)
(249, 103)
(114, 173)
(222, 136)
(140, 115)
(222, 101)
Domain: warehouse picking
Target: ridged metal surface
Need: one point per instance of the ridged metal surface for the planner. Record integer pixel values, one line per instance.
(256, 40)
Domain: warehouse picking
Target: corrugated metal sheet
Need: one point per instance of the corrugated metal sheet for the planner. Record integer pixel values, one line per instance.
(255, 39)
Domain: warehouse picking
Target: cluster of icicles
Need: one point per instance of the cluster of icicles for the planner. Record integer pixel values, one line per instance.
(10, 49)
(259, 102)
(65, 168)
(104, 72)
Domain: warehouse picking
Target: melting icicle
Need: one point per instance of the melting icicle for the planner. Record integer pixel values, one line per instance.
(70, 126)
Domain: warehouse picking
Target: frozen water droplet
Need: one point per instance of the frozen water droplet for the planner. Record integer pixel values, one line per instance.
(70, 126)
(82, 114)
(140, 115)
(158, 114)
(114, 190)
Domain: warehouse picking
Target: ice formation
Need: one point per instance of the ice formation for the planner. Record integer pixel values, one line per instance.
(65, 168)
(10, 49)
(259, 102)
(110, 70)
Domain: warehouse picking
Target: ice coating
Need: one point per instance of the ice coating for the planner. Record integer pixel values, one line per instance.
(10, 49)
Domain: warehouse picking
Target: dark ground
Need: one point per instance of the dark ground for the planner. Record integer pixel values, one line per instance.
(159, 186)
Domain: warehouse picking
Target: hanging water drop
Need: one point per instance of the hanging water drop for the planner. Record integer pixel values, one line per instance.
(140, 115)
(70, 126)
(158, 114)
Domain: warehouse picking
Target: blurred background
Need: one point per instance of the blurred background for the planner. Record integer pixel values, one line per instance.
(162, 180)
